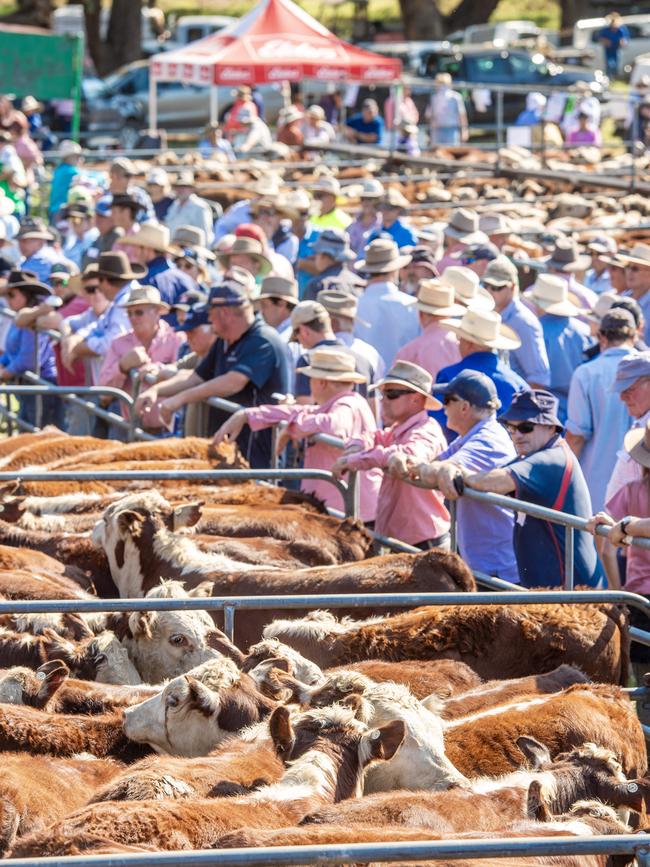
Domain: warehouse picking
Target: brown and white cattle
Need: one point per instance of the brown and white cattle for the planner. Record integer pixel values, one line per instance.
(34, 688)
(498, 641)
(326, 751)
(37, 790)
(196, 712)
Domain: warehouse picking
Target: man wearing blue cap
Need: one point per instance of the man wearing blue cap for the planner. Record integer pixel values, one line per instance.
(484, 533)
(547, 474)
(330, 252)
(246, 364)
(109, 233)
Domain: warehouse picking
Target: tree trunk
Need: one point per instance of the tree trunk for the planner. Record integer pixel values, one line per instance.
(422, 19)
(33, 13)
(576, 9)
(470, 12)
(94, 44)
(124, 38)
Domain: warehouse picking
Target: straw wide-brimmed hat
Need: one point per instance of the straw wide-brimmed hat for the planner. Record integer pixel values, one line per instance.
(294, 204)
(382, 256)
(551, 294)
(250, 247)
(192, 237)
(637, 444)
(338, 302)
(494, 223)
(467, 287)
(116, 266)
(326, 184)
(144, 295)
(436, 298)
(463, 226)
(34, 229)
(150, 235)
(638, 255)
(414, 377)
(565, 256)
(332, 363)
(279, 287)
(485, 328)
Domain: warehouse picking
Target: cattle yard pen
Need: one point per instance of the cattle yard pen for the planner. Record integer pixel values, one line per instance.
(350, 853)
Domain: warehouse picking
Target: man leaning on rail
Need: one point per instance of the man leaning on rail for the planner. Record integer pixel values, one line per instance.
(547, 474)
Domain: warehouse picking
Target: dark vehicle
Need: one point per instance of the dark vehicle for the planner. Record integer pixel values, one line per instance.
(482, 67)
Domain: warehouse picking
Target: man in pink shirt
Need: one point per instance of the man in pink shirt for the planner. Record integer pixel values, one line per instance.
(150, 345)
(436, 347)
(414, 515)
(335, 409)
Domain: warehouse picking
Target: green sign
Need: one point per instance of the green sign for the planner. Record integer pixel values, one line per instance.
(47, 66)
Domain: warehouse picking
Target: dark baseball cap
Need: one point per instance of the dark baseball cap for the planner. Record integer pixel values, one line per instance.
(472, 386)
(196, 316)
(479, 251)
(538, 406)
(229, 293)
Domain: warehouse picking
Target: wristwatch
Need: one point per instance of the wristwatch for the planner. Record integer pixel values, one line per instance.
(623, 523)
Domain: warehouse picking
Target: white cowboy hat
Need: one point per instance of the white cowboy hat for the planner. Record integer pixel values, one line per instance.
(485, 328)
(414, 377)
(551, 294)
(382, 256)
(150, 235)
(467, 288)
(436, 298)
(638, 255)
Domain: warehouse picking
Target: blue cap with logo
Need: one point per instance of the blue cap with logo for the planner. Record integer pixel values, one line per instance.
(472, 386)
(630, 368)
(229, 293)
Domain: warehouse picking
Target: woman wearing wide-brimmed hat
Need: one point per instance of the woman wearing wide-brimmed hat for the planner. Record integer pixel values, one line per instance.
(336, 409)
(23, 346)
(149, 345)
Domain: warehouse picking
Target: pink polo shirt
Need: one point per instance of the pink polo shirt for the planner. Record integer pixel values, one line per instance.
(633, 499)
(405, 512)
(163, 350)
(435, 348)
(347, 416)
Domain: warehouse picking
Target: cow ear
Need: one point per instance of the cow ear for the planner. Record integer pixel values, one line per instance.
(536, 754)
(202, 698)
(51, 674)
(386, 740)
(187, 515)
(281, 731)
(140, 623)
(130, 523)
(218, 641)
(537, 808)
(202, 590)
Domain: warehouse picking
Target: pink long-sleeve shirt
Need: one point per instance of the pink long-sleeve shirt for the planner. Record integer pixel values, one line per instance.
(162, 350)
(405, 512)
(347, 416)
(435, 348)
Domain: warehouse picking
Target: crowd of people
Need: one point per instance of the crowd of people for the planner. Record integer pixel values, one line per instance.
(330, 309)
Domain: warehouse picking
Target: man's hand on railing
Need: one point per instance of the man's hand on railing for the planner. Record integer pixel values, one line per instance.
(169, 406)
(618, 535)
(134, 359)
(398, 467)
(340, 467)
(426, 474)
(230, 430)
(146, 400)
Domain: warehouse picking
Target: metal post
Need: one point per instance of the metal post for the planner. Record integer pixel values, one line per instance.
(569, 544)
(499, 119)
(38, 418)
(229, 621)
(351, 496)
(214, 103)
(274, 448)
(453, 541)
(153, 103)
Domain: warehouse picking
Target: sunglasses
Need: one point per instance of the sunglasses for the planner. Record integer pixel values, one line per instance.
(493, 288)
(394, 393)
(135, 312)
(525, 427)
(450, 398)
(91, 289)
(57, 282)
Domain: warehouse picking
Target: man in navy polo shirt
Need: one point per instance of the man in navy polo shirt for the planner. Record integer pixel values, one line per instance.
(548, 474)
(246, 364)
(367, 127)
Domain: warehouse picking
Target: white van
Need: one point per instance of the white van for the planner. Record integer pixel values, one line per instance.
(585, 35)
(189, 28)
(501, 33)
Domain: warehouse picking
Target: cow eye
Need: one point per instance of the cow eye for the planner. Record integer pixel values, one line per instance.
(100, 659)
(171, 700)
(178, 640)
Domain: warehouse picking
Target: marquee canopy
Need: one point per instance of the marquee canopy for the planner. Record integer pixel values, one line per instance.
(275, 41)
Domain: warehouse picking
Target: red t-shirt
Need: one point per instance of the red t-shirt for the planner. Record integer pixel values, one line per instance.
(78, 374)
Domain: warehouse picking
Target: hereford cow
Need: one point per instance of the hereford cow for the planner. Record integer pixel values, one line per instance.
(549, 788)
(485, 743)
(234, 768)
(326, 751)
(35, 688)
(196, 712)
(499, 641)
(37, 790)
(141, 547)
